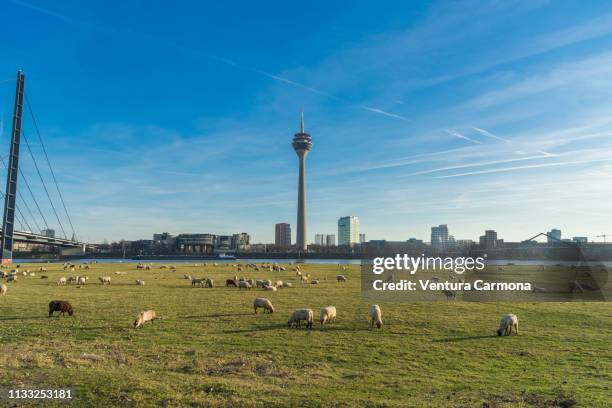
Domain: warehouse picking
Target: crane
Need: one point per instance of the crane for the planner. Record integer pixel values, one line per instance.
(604, 236)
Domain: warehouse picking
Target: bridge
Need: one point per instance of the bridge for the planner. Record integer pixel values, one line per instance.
(19, 209)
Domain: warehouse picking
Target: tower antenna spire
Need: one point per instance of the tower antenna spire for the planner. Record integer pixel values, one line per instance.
(302, 122)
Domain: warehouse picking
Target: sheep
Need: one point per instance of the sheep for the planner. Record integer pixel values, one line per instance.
(42, 269)
(376, 316)
(244, 285)
(298, 273)
(299, 315)
(279, 284)
(507, 323)
(270, 288)
(143, 317)
(140, 282)
(3, 289)
(341, 278)
(81, 280)
(11, 278)
(450, 295)
(267, 282)
(230, 282)
(188, 277)
(105, 280)
(263, 303)
(328, 314)
(32, 274)
(61, 281)
(287, 285)
(60, 306)
(209, 283)
(314, 282)
(259, 283)
(250, 282)
(304, 279)
(198, 281)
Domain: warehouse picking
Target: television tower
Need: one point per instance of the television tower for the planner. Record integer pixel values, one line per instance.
(302, 143)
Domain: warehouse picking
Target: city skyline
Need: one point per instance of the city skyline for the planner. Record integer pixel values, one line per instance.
(453, 114)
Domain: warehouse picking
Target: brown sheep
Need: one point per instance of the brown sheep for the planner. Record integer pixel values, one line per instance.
(231, 282)
(61, 306)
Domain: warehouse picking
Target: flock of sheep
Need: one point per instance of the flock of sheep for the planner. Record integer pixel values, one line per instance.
(508, 323)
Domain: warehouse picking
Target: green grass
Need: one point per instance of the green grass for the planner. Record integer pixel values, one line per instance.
(209, 349)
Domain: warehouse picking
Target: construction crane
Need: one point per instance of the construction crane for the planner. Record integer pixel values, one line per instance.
(604, 236)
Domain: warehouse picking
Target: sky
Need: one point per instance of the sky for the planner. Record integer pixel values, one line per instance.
(179, 118)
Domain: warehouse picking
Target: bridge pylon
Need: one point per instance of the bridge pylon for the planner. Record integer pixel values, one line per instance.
(8, 220)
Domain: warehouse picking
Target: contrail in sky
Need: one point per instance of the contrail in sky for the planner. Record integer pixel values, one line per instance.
(121, 32)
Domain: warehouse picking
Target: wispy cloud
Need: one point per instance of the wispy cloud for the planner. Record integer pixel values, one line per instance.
(455, 133)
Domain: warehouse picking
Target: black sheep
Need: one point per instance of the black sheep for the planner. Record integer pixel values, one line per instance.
(61, 306)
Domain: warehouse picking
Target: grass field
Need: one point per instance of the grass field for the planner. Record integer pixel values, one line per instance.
(209, 349)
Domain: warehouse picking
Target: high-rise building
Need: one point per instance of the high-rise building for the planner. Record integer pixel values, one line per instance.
(282, 234)
(439, 236)
(302, 143)
(319, 239)
(241, 241)
(554, 236)
(348, 230)
(362, 238)
(48, 233)
(488, 240)
(330, 240)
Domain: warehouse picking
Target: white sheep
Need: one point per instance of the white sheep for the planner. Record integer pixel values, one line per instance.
(3, 289)
(244, 285)
(105, 280)
(140, 282)
(328, 314)
(279, 284)
(209, 283)
(198, 281)
(263, 303)
(81, 280)
(507, 323)
(341, 278)
(143, 317)
(62, 281)
(299, 315)
(376, 316)
(270, 288)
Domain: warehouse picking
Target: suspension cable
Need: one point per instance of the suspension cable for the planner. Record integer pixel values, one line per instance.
(43, 184)
(49, 163)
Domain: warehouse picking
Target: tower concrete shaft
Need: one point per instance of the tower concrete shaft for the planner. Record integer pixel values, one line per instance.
(302, 143)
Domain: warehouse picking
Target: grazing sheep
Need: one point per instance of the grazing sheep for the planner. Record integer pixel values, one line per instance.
(139, 282)
(81, 280)
(105, 280)
(60, 306)
(11, 278)
(209, 283)
(376, 315)
(328, 314)
(267, 282)
(32, 274)
(263, 303)
(42, 269)
(304, 279)
(341, 278)
(3, 289)
(259, 283)
(61, 281)
(230, 282)
(198, 281)
(507, 323)
(244, 285)
(279, 284)
(143, 317)
(314, 282)
(450, 295)
(298, 273)
(287, 285)
(270, 288)
(250, 282)
(299, 315)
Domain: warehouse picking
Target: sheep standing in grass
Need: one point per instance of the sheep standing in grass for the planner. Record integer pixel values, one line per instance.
(376, 316)
(230, 282)
(143, 317)
(244, 285)
(62, 281)
(11, 278)
(81, 280)
(263, 303)
(328, 314)
(270, 288)
(198, 281)
(3, 289)
(301, 314)
(278, 284)
(209, 283)
(61, 306)
(341, 278)
(105, 280)
(139, 282)
(507, 323)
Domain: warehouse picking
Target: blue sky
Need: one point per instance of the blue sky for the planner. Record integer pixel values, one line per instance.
(474, 114)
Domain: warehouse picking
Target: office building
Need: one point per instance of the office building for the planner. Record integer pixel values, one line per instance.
(282, 234)
(488, 240)
(348, 230)
(362, 238)
(554, 236)
(330, 240)
(439, 236)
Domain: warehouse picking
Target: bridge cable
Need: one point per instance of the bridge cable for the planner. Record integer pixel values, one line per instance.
(31, 193)
(17, 217)
(49, 163)
(43, 184)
